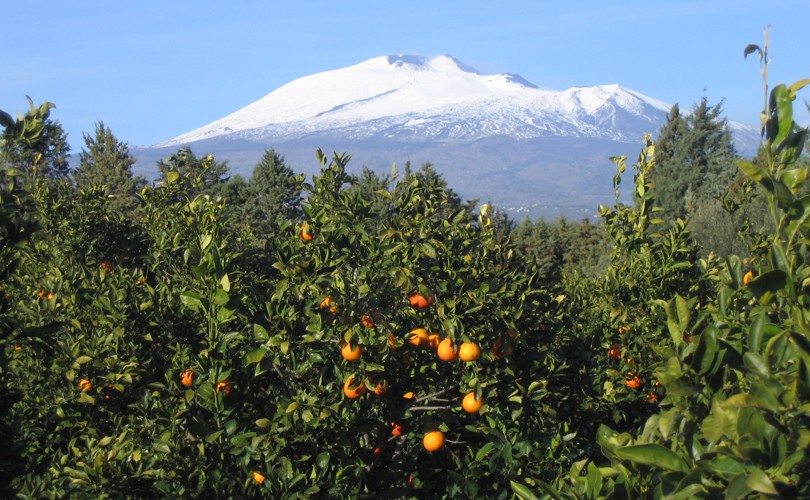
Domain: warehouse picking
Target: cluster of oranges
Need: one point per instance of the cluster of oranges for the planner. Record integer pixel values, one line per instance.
(445, 349)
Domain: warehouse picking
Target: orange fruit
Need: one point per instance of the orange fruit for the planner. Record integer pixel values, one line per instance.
(469, 351)
(381, 388)
(392, 341)
(258, 477)
(633, 382)
(187, 378)
(651, 398)
(376, 453)
(419, 301)
(446, 351)
(419, 337)
(306, 232)
(352, 391)
(433, 340)
(615, 352)
(397, 429)
(409, 395)
(85, 385)
(224, 386)
(350, 353)
(327, 303)
(502, 346)
(470, 404)
(623, 330)
(371, 320)
(747, 277)
(433, 441)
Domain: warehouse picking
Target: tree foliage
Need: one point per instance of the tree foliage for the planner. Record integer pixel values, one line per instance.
(107, 163)
(34, 142)
(695, 159)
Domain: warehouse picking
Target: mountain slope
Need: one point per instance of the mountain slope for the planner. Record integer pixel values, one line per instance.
(496, 138)
(411, 97)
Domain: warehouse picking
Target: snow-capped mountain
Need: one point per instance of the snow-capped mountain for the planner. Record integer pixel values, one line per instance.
(497, 138)
(413, 97)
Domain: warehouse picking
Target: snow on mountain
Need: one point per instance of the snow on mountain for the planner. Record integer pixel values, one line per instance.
(417, 98)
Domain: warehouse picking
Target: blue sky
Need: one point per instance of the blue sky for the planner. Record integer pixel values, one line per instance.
(154, 69)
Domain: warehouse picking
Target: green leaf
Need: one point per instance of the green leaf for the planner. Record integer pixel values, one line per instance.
(172, 176)
(771, 281)
(522, 491)
(221, 297)
(192, 300)
(654, 455)
(213, 436)
(428, 250)
(263, 423)
(781, 110)
(255, 355)
(83, 359)
(161, 447)
(86, 398)
(797, 86)
(225, 283)
(759, 481)
(755, 332)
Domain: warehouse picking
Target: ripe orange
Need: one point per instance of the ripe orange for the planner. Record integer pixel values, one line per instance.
(419, 301)
(371, 319)
(381, 388)
(85, 385)
(419, 337)
(224, 386)
(446, 351)
(397, 429)
(409, 395)
(469, 351)
(615, 352)
(747, 277)
(306, 232)
(187, 378)
(433, 441)
(327, 303)
(258, 477)
(351, 353)
(433, 340)
(470, 404)
(352, 391)
(633, 382)
(623, 329)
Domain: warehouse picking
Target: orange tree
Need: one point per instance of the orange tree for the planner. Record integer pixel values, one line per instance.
(348, 276)
(149, 363)
(734, 418)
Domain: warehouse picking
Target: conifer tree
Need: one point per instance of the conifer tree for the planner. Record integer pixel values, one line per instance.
(274, 190)
(107, 163)
(695, 159)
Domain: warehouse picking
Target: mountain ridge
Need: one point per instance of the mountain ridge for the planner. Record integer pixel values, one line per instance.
(497, 138)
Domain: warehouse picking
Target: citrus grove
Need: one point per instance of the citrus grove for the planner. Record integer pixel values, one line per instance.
(392, 340)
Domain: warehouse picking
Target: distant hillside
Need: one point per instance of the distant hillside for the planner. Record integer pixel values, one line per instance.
(495, 137)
